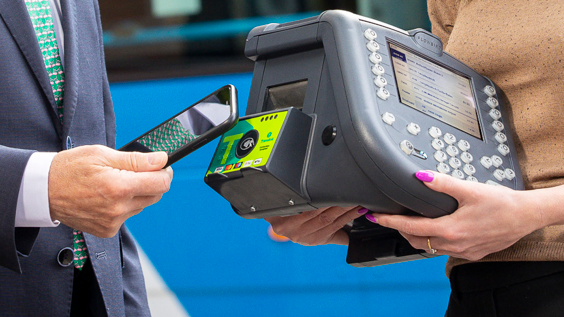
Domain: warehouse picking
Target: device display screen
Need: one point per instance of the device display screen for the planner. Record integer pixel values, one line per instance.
(286, 96)
(435, 90)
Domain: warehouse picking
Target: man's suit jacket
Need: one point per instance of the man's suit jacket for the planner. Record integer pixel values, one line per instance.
(32, 282)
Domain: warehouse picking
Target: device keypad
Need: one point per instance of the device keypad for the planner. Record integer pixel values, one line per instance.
(377, 69)
(452, 155)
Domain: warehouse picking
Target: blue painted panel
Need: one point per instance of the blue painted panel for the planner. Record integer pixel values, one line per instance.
(219, 264)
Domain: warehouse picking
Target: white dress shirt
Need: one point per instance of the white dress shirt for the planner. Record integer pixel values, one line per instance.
(33, 200)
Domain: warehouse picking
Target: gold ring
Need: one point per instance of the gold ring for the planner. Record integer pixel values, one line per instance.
(431, 250)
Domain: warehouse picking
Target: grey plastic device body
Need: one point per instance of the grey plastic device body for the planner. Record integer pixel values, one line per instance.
(365, 165)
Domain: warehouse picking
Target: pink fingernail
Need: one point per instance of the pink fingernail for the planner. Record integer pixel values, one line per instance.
(362, 211)
(425, 176)
(371, 218)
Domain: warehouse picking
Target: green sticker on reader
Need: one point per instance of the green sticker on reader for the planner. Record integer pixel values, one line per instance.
(248, 144)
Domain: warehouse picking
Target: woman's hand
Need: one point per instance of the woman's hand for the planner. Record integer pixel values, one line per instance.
(489, 218)
(321, 226)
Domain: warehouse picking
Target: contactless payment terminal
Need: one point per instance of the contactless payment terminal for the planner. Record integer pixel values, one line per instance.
(248, 144)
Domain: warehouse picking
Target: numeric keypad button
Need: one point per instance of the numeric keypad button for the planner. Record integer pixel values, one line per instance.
(455, 162)
(452, 150)
(450, 138)
(440, 156)
(443, 168)
(469, 169)
(464, 145)
(466, 157)
(458, 174)
(438, 144)
(435, 132)
(472, 179)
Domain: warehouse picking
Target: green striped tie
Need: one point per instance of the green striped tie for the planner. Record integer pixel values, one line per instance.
(40, 14)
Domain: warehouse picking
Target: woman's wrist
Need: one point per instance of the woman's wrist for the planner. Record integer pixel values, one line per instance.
(546, 206)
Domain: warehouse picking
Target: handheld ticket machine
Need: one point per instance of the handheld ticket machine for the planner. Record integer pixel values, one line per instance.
(343, 110)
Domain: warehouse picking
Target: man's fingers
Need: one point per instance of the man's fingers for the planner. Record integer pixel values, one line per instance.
(286, 225)
(148, 183)
(334, 218)
(321, 226)
(340, 237)
(137, 161)
(332, 233)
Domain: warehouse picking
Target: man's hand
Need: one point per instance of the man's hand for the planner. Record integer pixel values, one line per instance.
(321, 226)
(95, 189)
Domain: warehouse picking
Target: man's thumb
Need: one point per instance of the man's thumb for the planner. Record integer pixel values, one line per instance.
(141, 162)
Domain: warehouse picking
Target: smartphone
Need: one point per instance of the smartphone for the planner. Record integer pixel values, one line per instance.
(192, 127)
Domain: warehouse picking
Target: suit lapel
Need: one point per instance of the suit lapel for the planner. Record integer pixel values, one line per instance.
(15, 16)
(69, 23)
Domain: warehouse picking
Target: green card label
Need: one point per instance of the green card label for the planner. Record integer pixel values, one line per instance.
(248, 144)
